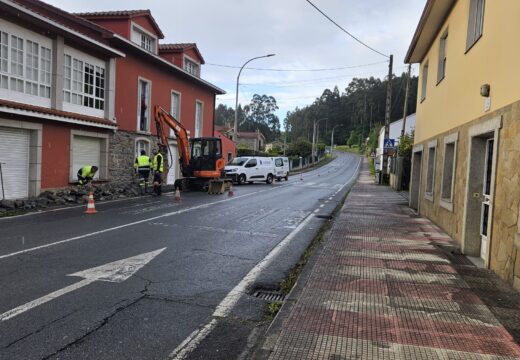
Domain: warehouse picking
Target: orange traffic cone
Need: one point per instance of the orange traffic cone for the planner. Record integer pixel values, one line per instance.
(177, 195)
(231, 192)
(91, 208)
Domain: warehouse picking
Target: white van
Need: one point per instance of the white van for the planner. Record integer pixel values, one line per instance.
(281, 168)
(250, 168)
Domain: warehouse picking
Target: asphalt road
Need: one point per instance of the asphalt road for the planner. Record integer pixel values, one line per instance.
(202, 257)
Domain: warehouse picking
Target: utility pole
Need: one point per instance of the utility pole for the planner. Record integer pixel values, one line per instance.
(405, 111)
(387, 117)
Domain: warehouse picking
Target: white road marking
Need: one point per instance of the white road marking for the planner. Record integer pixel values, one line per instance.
(117, 271)
(79, 237)
(322, 205)
(227, 304)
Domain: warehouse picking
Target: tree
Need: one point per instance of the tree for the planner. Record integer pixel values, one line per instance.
(300, 147)
(353, 138)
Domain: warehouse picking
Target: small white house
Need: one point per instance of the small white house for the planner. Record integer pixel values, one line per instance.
(395, 133)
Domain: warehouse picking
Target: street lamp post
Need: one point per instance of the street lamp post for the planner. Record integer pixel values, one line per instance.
(314, 140)
(332, 139)
(235, 127)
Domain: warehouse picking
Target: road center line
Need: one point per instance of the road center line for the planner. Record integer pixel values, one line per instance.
(79, 237)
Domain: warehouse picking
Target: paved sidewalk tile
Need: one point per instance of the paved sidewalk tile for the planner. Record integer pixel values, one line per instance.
(383, 288)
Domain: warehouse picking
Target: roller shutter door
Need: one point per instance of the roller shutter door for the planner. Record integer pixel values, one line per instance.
(14, 156)
(85, 151)
(172, 169)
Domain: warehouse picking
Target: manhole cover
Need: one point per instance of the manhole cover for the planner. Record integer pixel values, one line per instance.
(269, 295)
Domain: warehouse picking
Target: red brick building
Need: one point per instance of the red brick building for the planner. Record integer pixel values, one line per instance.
(56, 99)
(78, 90)
(153, 74)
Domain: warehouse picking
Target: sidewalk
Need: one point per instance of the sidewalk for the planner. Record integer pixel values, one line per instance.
(382, 287)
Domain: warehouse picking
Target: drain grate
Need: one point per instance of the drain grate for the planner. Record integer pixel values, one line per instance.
(269, 295)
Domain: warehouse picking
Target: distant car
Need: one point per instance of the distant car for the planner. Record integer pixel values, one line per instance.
(281, 168)
(250, 168)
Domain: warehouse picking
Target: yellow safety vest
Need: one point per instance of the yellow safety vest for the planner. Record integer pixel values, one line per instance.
(142, 162)
(87, 171)
(158, 162)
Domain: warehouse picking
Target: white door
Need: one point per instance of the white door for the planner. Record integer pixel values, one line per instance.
(85, 151)
(14, 156)
(486, 201)
(172, 159)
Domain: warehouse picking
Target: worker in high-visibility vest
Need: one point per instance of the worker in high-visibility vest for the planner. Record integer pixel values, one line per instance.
(158, 168)
(86, 174)
(142, 167)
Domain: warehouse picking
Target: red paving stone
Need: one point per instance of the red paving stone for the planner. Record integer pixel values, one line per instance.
(481, 339)
(422, 305)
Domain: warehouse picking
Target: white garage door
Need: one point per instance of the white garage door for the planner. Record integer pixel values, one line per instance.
(14, 156)
(85, 151)
(172, 171)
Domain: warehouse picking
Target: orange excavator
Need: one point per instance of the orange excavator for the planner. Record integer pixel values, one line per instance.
(201, 161)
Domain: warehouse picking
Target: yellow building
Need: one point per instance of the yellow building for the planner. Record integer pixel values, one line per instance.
(466, 158)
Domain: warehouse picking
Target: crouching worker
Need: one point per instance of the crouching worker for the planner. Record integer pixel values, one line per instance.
(86, 174)
(158, 168)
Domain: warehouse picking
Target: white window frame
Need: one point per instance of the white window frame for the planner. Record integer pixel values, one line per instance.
(176, 115)
(198, 128)
(450, 140)
(194, 64)
(74, 76)
(139, 33)
(424, 81)
(428, 195)
(443, 59)
(15, 82)
(475, 22)
(148, 110)
(142, 140)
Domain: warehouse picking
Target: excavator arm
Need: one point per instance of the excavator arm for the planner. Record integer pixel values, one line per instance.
(164, 122)
(205, 174)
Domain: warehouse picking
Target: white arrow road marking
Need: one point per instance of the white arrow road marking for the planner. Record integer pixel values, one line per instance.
(117, 271)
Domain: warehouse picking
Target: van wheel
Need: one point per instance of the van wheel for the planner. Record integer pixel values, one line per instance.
(241, 179)
(269, 179)
(287, 177)
(278, 179)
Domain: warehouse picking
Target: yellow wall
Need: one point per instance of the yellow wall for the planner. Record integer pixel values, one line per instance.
(494, 59)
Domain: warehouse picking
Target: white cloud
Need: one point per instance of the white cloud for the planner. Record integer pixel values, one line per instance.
(232, 31)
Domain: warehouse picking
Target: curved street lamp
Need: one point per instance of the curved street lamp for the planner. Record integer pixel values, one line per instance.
(235, 127)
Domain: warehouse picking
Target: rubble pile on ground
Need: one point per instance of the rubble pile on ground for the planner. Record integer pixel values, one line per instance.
(71, 196)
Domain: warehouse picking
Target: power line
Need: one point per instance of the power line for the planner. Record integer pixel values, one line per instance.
(300, 70)
(307, 81)
(345, 31)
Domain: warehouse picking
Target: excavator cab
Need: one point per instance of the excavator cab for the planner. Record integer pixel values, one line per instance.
(206, 156)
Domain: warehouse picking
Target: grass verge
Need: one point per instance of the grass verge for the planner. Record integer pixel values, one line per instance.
(12, 213)
(288, 283)
(271, 309)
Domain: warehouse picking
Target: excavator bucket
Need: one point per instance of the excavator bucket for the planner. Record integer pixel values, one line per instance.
(216, 187)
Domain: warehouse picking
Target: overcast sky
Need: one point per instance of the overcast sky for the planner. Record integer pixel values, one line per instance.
(230, 32)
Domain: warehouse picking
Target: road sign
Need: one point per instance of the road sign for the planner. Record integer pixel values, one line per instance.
(117, 271)
(389, 143)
